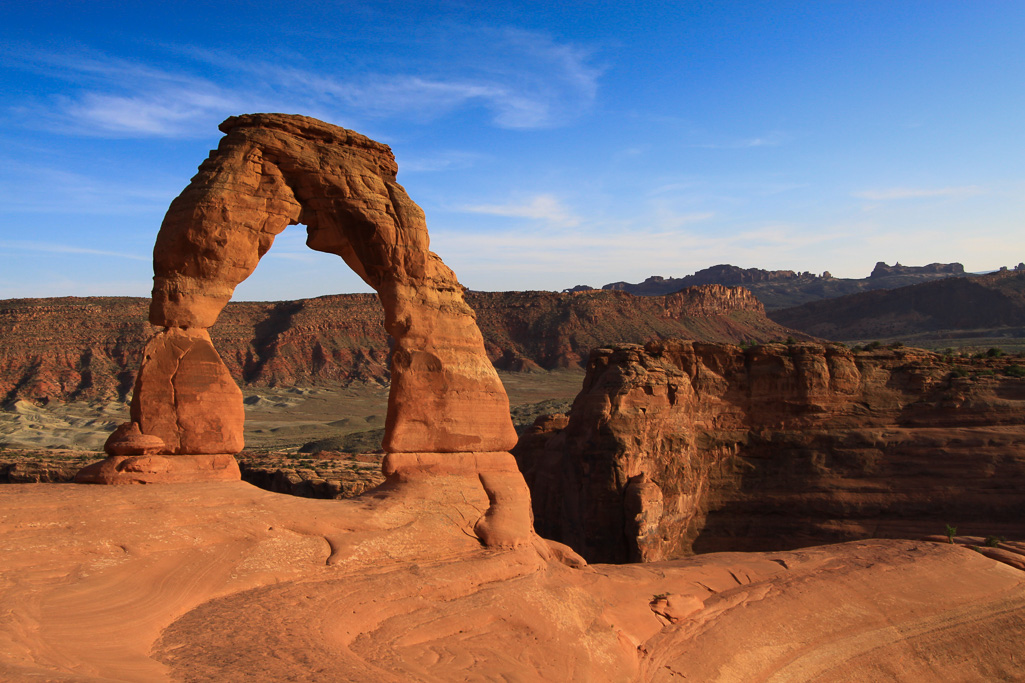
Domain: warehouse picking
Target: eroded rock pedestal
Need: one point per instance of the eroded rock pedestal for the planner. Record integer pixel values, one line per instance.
(268, 172)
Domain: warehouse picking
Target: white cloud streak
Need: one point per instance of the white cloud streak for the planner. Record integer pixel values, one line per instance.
(543, 207)
(442, 161)
(38, 189)
(523, 79)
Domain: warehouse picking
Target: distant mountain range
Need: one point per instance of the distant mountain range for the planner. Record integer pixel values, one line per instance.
(778, 289)
(981, 309)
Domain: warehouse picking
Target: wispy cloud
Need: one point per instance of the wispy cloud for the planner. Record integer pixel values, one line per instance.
(523, 79)
(55, 248)
(898, 193)
(167, 112)
(542, 207)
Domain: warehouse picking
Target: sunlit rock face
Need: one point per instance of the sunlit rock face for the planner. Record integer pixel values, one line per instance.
(274, 170)
(271, 171)
(679, 447)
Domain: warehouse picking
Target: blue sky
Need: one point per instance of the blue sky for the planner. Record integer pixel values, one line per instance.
(550, 144)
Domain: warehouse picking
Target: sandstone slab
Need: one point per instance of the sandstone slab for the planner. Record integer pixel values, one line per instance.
(222, 581)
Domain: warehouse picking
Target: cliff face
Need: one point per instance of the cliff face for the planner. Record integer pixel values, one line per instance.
(681, 447)
(89, 348)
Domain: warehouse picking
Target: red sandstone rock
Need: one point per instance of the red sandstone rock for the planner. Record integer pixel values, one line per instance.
(160, 469)
(128, 439)
(185, 396)
(679, 447)
(271, 171)
(85, 348)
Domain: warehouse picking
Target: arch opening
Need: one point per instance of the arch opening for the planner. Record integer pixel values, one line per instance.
(448, 412)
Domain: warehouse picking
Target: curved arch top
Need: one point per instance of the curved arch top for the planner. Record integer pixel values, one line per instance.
(275, 170)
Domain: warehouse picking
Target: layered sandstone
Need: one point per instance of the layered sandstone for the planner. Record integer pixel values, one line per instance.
(681, 447)
(90, 348)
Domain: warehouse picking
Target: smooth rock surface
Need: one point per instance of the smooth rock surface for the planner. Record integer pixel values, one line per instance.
(161, 469)
(225, 582)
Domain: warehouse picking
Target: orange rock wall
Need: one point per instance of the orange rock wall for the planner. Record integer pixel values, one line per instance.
(90, 348)
(679, 447)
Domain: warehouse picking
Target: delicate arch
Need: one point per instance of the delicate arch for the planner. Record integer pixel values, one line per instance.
(274, 170)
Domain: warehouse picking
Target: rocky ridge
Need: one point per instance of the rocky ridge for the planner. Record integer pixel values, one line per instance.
(74, 348)
(785, 288)
(990, 306)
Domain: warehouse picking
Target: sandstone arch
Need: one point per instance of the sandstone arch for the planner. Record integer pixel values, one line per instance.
(447, 408)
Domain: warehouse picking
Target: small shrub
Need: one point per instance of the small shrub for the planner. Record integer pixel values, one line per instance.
(1014, 370)
(994, 352)
(897, 345)
(872, 346)
(951, 532)
(790, 340)
(994, 541)
(958, 372)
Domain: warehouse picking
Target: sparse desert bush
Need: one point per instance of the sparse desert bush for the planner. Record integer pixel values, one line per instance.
(951, 532)
(1014, 370)
(994, 541)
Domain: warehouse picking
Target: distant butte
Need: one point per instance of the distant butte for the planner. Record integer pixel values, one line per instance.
(783, 288)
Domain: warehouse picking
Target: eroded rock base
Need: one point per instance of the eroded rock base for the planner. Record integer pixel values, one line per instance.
(161, 469)
(508, 521)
